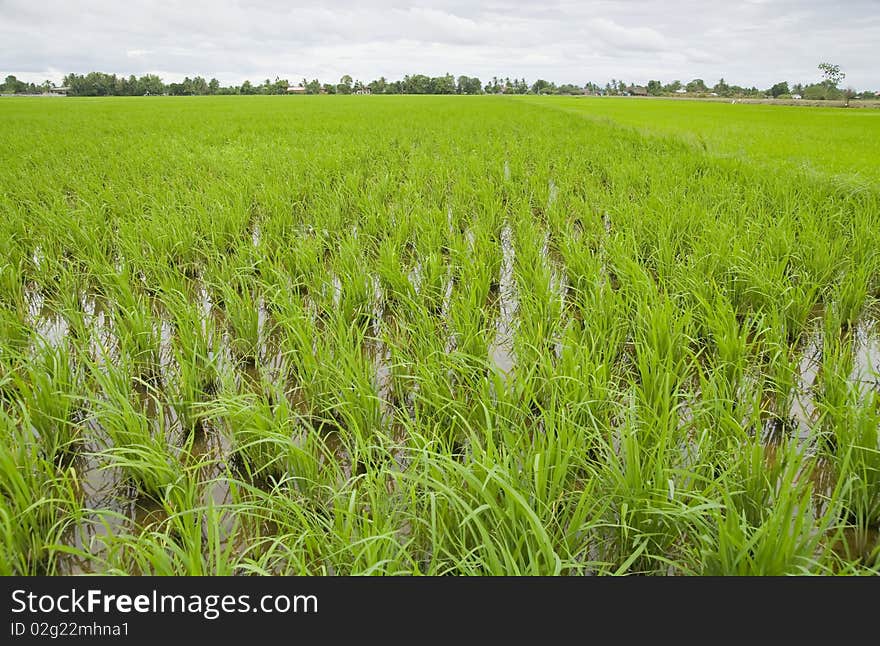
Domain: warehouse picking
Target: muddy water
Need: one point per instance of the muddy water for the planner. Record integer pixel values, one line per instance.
(803, 412)
(865, 374)
(866, 371)
(50, 326)
(106, 510)
(415, 276)
(552, 194)
(501, 350)
(558, 286)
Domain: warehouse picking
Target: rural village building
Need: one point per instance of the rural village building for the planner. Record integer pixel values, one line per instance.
(296, 89)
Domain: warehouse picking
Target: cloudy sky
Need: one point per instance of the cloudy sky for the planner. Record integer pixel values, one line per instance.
(745, 41)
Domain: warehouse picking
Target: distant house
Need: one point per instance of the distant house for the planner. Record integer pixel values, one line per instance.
(638, 90)
(59, 91)
(363, 90)
(681, 90)
(296, 89)
(796, 96)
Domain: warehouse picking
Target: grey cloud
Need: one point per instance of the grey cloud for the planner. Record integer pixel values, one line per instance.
(747, 41)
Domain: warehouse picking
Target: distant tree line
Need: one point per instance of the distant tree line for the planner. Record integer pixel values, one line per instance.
(13, 86)
(101, 84)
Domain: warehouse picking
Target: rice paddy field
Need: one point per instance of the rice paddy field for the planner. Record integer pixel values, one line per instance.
(818, 140)
(438, 335)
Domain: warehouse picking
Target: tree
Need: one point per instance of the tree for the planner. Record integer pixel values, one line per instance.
(443, 85)
(417, 84)
(815, 92)
(213, 86)
(831, 75)
(721, 88)
(13, 85)
(543, 87)
(469, 85)
(150, 84)
(569, 88)
(378, 86)
(344, 86)
(200, 86)
(247, 88)
(655, 88)
(697, 85)
(779, 89)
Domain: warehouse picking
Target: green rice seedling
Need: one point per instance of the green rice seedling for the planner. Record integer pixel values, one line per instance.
(243, 315)
(49, 396)
(138, 330)
(12, 280)
(781, 544)
(137, 433)
(152, 466)
(471, 527)
(392, 273)
(834, 392)
(852, 296)
(780, 367)
(855, 441)
(652, 505)
(539, 305)
(663, 363)
(357, 291)
(14, 342)
(356, 531)
(727, 344)
(470, 322)
(301, 262)
(584, 382)
(196, 356)
(186, 537)
(347, 397)
(261, 433)
(433, 277)
(37, 500)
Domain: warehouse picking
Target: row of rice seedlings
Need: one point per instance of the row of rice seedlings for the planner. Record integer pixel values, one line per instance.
(39, 500)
